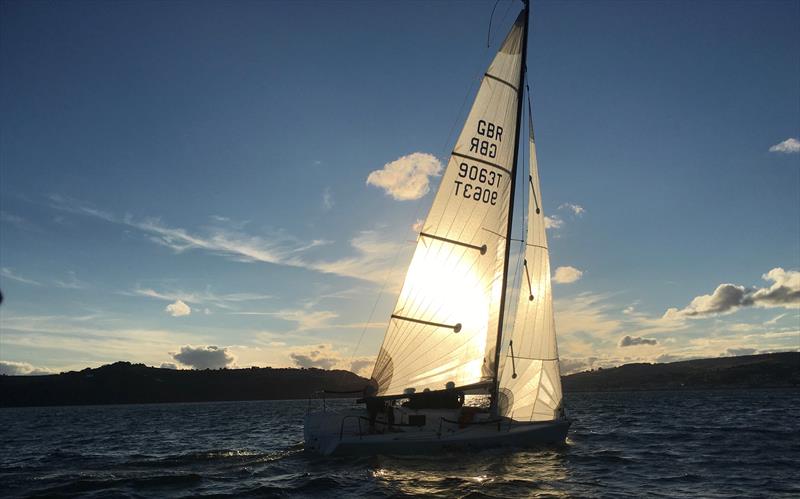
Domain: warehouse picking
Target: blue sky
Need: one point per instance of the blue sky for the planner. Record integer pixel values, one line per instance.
(213, 156)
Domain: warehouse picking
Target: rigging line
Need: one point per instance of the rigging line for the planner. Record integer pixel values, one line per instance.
(516, 284)
(489, 32)
(498, 346)
(390, 272)
(530, 133)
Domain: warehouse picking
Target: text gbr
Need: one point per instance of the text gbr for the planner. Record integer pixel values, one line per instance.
(474, 178)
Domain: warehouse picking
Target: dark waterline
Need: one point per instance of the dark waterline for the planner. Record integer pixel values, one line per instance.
(669, 444)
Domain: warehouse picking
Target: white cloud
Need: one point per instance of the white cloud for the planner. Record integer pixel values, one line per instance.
(728, 298)
(418, 225)
(576, 209)
(566, 275)
(374, 256)
(363, 366)
(9, 274)
(226, 301)
(178, 309)
(71, 282)
(204, 357)
(735, 352)
(374, 252)
(407, 178)
(10, 368)
(91, 340)
(168, 365)
(305, 319)
(314, 359)
(788, 146)
(629, 341)
(553, 222)
(327, 199)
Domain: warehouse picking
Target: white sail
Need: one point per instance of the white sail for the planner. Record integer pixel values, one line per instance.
(530, 382)
(444, 326)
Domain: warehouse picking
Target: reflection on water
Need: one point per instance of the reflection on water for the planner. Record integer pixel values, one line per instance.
(458, 474)
(672, 444)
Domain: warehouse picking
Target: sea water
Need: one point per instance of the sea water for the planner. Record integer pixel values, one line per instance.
(634, 444)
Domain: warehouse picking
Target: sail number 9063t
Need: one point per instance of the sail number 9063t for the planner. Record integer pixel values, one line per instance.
(469, 189)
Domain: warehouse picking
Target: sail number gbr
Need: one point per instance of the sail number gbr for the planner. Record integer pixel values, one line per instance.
(477, 183)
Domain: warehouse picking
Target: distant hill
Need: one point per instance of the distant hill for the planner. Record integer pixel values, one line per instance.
(126, 383)
(773, 370)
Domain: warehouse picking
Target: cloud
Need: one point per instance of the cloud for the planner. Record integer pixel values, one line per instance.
(553, 222)
(576, 209)
(362, 367)
(71, 282)
(178, 309)
(566, 275)
(9, 368)
(727, 298)
(784, 291)
(570, 366)
(168, 365)
(315, 358)
(327, 199)
(418, 225)
(204, 357)
(666, 358)
(9, 274)
(735, 352)
(407, 178)
(17, 221)
(628, 341)
(373, 252)
(788, 146)
(374, 256)
(226, 301)
(305, 319)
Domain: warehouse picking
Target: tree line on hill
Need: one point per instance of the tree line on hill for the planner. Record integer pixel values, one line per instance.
(126, 383)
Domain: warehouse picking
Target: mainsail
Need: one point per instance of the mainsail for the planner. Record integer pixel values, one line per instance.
(445, 324)
(530, 383)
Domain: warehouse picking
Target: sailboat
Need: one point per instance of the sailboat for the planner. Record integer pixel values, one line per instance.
(451, 341)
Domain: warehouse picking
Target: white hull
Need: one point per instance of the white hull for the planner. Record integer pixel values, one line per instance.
(348, 433)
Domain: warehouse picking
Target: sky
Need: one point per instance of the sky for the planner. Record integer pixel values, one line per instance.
(193, 184)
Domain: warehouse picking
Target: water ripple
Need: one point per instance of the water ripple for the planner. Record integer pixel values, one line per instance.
(664, 444)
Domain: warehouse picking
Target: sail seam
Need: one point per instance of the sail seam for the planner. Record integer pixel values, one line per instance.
(482, 249)
(536, 246)
(502, 81)
(479, 160)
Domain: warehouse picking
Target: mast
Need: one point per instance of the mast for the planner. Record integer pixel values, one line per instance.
(496, 381)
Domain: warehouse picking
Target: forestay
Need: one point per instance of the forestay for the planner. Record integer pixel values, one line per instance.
(530, 382)
(444, 325)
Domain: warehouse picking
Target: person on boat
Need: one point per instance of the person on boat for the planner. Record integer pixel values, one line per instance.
(443, 399)
(453, 399)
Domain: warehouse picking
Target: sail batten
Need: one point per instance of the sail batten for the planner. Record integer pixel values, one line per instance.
(455, 276)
